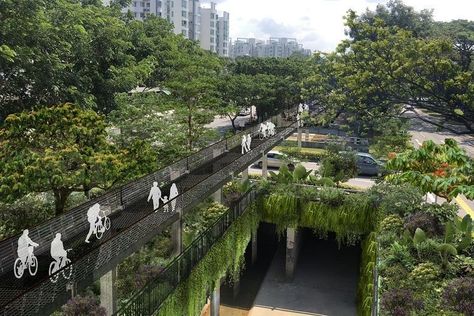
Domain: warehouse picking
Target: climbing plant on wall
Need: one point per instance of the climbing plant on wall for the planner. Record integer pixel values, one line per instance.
(226, 257)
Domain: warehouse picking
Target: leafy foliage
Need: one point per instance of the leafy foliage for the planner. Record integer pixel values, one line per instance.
(339, 166)
(60, 149)
(400, 302)
(365, 290)
(224, 258)
(445, 169)
(87, 305)
(459, 295)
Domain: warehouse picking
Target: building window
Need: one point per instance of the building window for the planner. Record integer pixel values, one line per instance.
(142, 4)
(185, 3)
(212, 47)
(184, 23)
(184, 14)
(142, 15)
(212, 39)
(183, 32)
(212, 24)
(212, 32)
(134, 3)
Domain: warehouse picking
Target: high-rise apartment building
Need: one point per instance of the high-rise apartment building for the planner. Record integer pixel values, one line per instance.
(209, 21)
(274, 47)
(223, 42)
(194, 22)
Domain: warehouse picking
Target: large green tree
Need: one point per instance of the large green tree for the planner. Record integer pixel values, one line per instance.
(65, 51)
(62, 149)
(387, 70)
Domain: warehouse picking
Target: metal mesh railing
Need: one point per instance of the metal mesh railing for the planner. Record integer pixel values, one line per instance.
(143, 226)
(154, 293)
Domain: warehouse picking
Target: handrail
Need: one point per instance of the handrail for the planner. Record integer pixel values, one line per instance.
(235, 210)
(145, 218)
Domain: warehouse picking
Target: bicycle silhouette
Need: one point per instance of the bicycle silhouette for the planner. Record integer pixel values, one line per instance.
(30, 263)
(54, 266)
(102, 224)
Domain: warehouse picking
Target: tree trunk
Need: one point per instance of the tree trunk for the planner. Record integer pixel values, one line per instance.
(60, 199)
(190, 131)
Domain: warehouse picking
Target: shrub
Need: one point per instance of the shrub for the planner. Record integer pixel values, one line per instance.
(339, 166)
(392, 223)
(399, 253)
(331, 196)
(458, 295)
(428, 250)
(425, 221)
(83, 306)
(424, 273)
(394, 275)
(444, 213)
(400, 302)
(146, 273)
(396, 199)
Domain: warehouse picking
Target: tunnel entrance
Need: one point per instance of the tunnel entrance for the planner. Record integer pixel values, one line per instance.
(324, 282)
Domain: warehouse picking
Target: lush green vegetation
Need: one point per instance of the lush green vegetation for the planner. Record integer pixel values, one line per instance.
(366, 288)
(225, 258)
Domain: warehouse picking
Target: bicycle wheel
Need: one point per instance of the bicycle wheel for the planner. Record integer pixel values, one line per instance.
(53, 267)
(99, 230)
(67, 271)
(18, 268)
(107, 223)
(33, 267)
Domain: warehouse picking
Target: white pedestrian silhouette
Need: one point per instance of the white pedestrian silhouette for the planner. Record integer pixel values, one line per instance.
(155, 195)
(26, 258)
(92, 217)
(173, 195)
(244, 144)
(271, 129)
(249, 142)
(300, 108)
(165, 202)
(298, 119)
(263, 130)
(306, 107)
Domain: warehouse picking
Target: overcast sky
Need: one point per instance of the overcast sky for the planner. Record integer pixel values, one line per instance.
(317, 24)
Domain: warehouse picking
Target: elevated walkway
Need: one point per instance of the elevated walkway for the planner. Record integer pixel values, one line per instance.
(133, 223)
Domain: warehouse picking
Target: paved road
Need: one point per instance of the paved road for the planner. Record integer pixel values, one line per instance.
(359, 182)
(223, 124)
(422, 131)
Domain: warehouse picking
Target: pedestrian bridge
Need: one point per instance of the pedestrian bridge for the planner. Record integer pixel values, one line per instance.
(133, 222)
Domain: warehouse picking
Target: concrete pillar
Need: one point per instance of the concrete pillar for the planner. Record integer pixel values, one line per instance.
(264, 166)
(292, 249)
(108, 295)
(299, 136)
(245, 174)
(217, 196)
(254, 247)
(306, 136)
(177, 236)
(216, 299)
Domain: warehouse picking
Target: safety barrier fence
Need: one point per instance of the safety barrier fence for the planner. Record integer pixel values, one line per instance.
(97, 261)
(149, 299)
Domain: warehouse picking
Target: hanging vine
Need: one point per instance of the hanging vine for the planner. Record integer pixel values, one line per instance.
(226, 257)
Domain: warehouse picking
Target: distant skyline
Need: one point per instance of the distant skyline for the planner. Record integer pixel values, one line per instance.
(318, 24)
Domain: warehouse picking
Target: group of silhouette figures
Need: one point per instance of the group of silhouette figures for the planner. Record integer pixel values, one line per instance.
(99, 223)
(155, 196)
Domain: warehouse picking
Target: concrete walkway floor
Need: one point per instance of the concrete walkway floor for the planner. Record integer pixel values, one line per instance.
(325, 282)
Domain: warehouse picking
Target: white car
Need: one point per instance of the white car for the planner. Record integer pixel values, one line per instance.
(276, 159)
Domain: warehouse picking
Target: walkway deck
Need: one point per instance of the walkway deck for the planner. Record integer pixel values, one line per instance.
(132, 227)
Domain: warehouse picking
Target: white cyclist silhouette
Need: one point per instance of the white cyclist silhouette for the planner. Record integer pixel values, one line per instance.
(60, 261)
(26, 258)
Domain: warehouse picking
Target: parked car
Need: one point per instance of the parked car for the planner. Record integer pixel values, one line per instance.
(368, 165)
(276, 159)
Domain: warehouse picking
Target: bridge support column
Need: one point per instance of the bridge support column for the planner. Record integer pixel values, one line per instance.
(217, 196)
(108, 296)
(177, 236)
(254, 247)
(299, 136)
(306, 136)
(264, 166)
(292, 250)
(216, 299)
(245, 174)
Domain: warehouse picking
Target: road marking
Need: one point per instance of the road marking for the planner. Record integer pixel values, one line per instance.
(464, 206)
